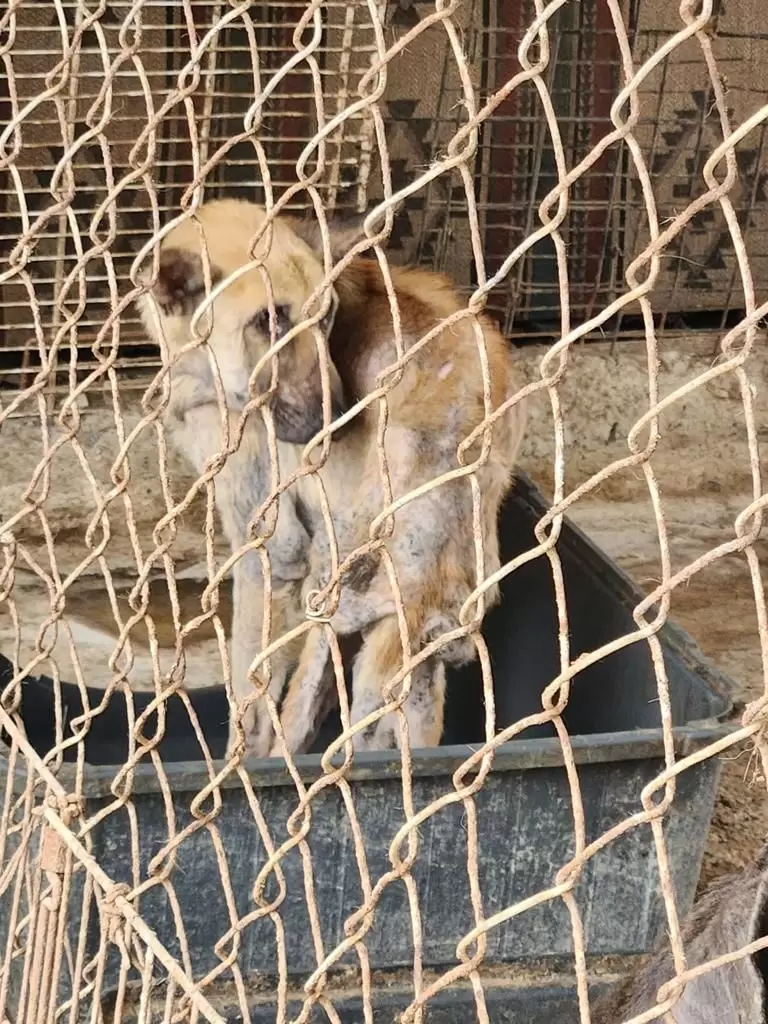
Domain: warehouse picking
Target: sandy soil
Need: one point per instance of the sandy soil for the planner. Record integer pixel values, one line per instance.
(701, 464)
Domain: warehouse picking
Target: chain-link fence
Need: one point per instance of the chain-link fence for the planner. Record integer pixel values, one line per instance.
(585, 171)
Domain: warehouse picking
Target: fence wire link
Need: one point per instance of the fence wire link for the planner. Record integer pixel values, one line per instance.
(47, 860)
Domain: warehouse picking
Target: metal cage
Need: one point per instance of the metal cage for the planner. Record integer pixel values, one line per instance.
(114, 116)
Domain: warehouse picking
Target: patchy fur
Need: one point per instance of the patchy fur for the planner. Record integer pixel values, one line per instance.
(733, 913)
(435, 404)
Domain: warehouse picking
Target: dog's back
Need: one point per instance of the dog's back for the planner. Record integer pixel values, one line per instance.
(435, 400)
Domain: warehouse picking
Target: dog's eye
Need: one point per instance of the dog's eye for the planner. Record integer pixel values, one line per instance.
(260, 321)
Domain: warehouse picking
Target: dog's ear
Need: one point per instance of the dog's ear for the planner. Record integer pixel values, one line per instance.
(180, 280)
(297, 402)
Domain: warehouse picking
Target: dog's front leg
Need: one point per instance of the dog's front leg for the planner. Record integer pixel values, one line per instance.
(310, 694)
(251, 711)
(241, 485)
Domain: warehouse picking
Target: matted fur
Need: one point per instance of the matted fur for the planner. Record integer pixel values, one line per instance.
(433, 407)
(729, 916)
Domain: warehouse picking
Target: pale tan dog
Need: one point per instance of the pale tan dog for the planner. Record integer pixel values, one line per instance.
(433, 407)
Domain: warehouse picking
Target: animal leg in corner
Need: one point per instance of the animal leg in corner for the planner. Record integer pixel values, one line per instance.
(247, 624)
(310, 694)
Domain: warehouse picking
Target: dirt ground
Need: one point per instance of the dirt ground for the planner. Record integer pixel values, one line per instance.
(701, 465)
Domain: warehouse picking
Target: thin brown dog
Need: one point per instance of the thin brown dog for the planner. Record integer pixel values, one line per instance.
(434, 405)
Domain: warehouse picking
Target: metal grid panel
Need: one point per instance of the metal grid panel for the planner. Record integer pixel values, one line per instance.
(113, 114)
(117, 126)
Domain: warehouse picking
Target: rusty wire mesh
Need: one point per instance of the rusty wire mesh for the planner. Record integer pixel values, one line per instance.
(98, 86)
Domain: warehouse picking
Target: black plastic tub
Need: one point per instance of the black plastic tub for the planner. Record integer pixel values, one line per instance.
(524, 998)
(524, 808)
